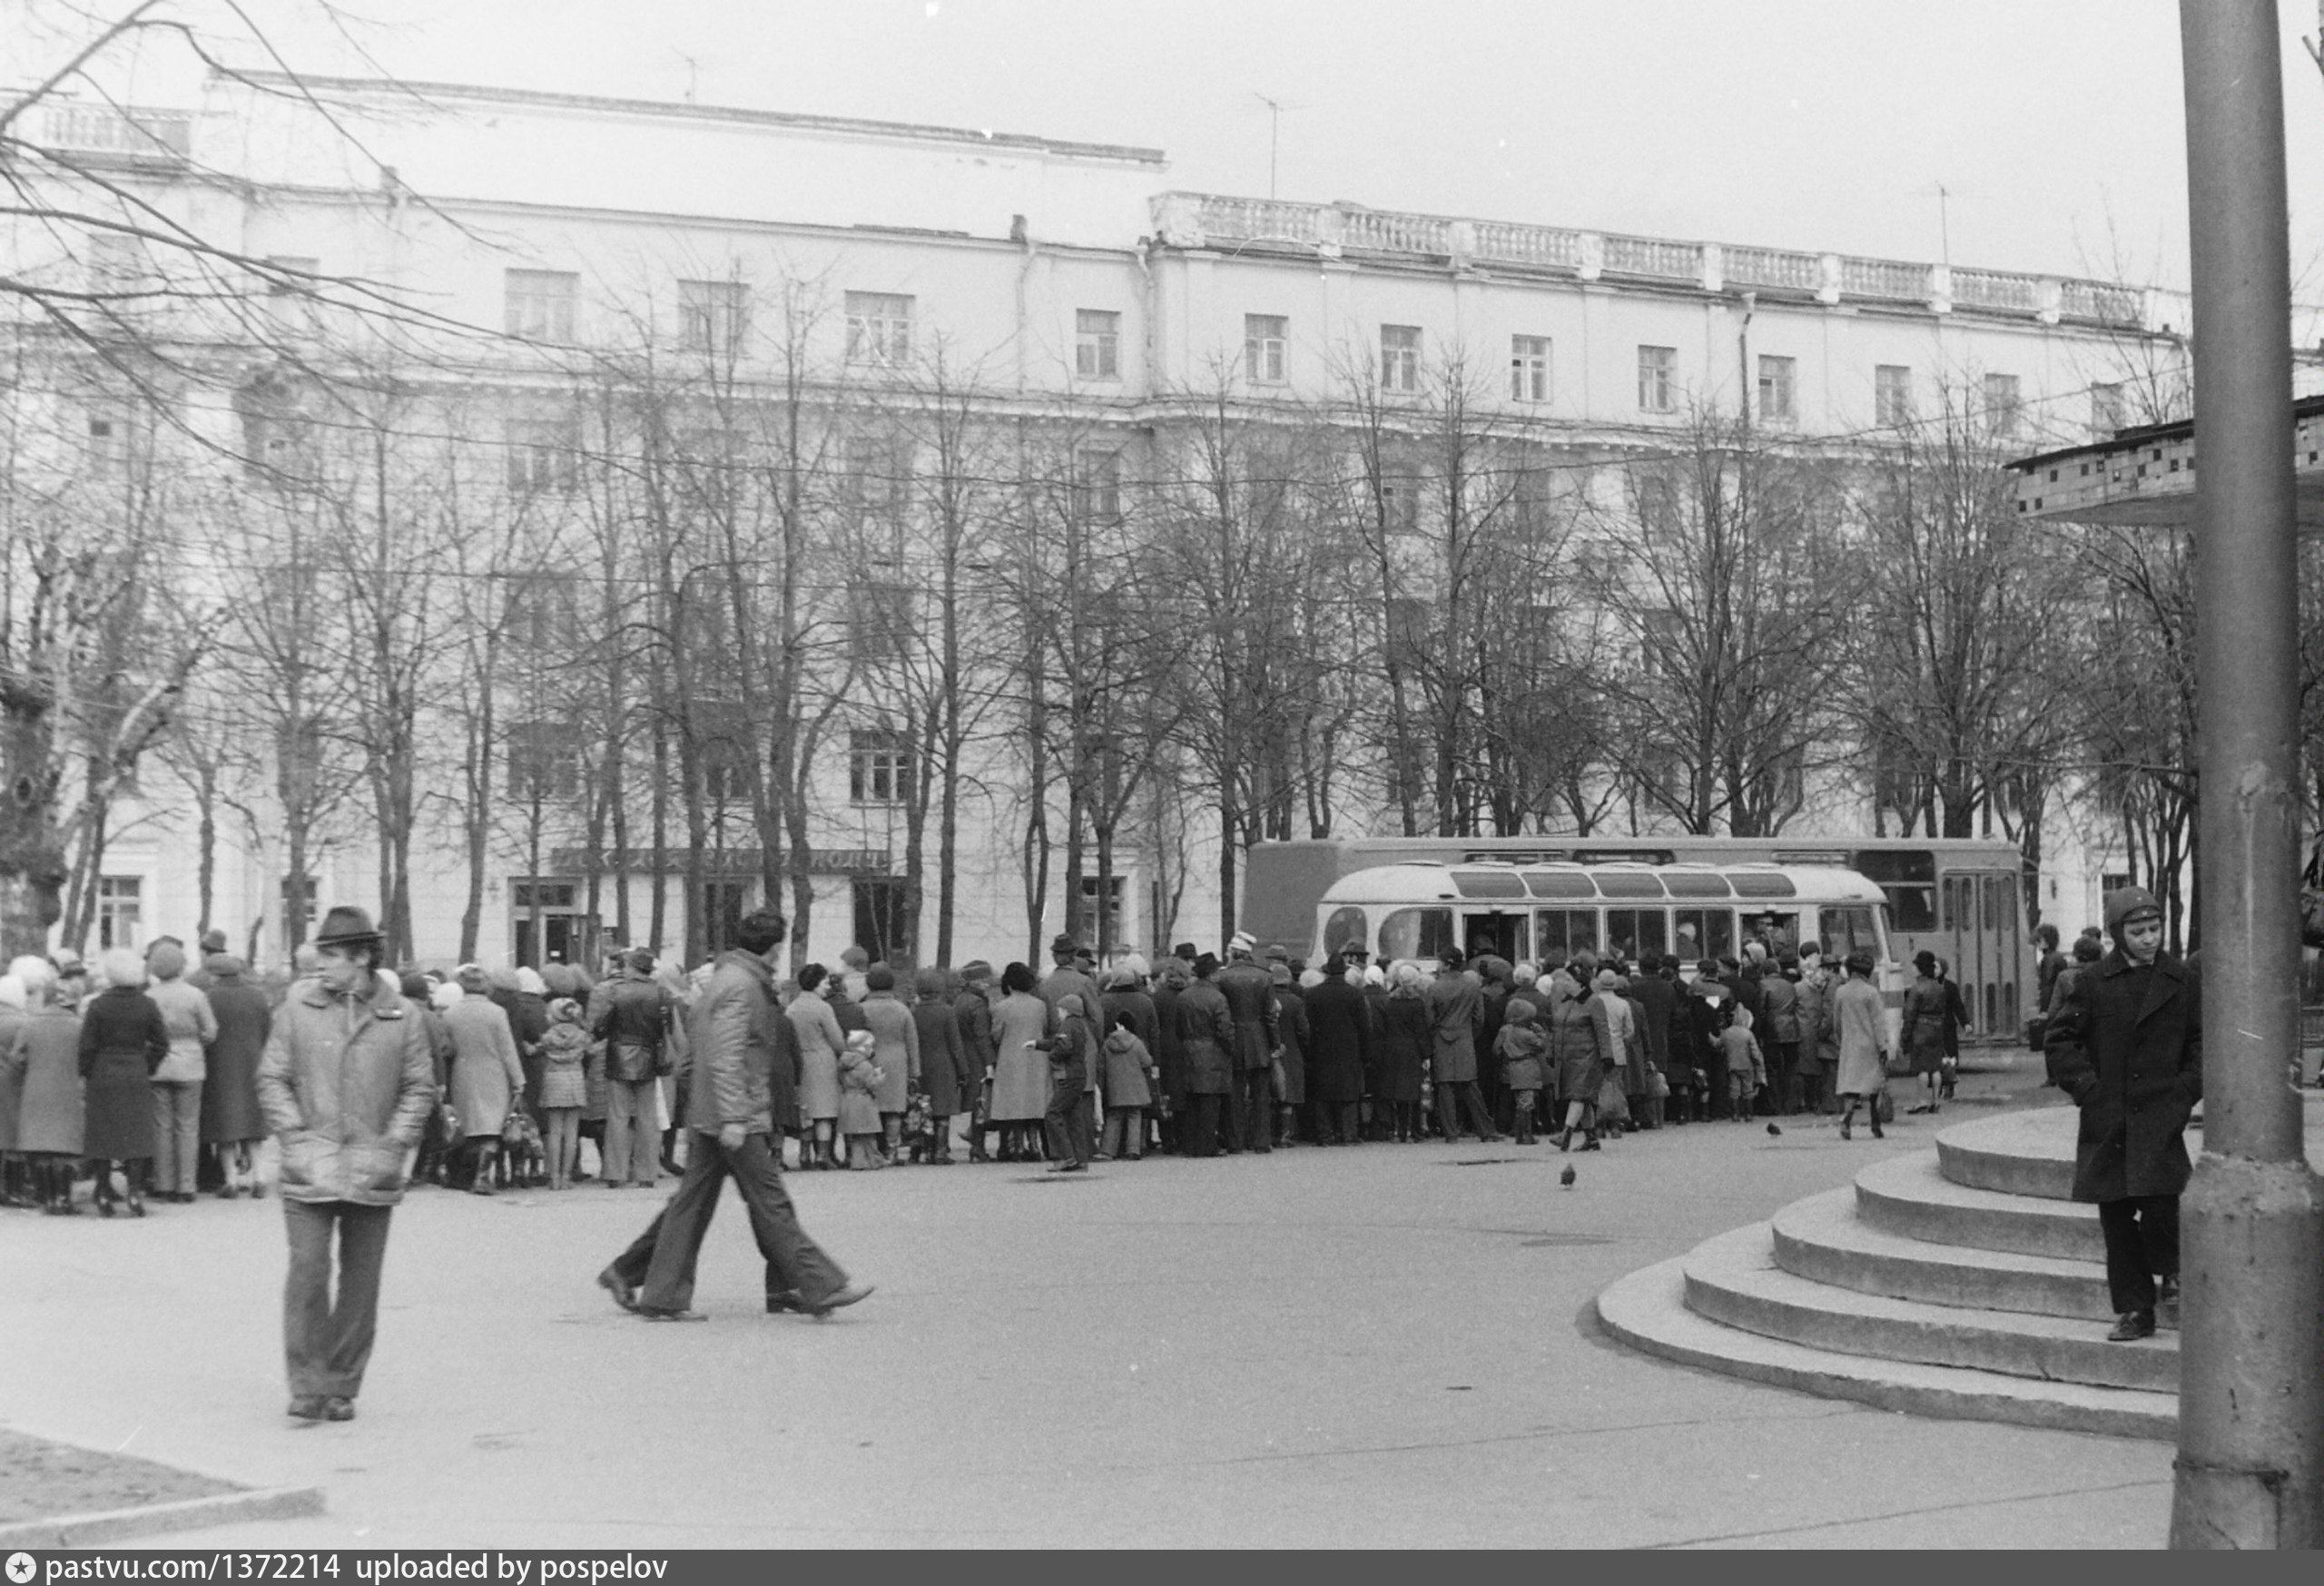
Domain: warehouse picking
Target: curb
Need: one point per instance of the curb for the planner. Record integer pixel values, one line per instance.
(113, 1525)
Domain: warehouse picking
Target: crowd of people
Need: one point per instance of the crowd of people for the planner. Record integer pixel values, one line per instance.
(141, 1080)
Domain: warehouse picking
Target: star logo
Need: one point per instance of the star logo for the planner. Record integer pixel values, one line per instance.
(21, 1568)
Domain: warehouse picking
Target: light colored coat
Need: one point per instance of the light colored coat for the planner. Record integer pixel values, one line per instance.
(820, 1041)
(1021, 1079)
(192, 1025)
(347, 1084)
(485, 1075)
(46, 1054)
(1860, 1017)
(898, 1052)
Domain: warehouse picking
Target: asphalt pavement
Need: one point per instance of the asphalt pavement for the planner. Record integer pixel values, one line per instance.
(1369, 1347)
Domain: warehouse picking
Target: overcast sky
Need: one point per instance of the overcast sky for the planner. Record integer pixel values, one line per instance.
(2055, 125)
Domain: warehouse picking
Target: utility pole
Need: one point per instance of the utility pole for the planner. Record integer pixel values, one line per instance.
(2250, 1466)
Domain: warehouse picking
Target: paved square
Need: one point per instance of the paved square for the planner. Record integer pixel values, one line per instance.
(1389, 1344)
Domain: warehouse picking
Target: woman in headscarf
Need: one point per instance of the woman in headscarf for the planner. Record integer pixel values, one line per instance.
(487, 1080)
(122, 1043)
(1580, 1039)
(821, 1043)
(1020, 1073)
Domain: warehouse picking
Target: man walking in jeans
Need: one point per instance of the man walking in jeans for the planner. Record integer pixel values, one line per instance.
(346, 1083)
(744, 1063)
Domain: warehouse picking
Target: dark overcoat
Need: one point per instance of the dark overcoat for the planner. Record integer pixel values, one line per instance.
(122, 1040)
(1407, 1030)
(1169, 1056)
(1206, 1039)
(946, 1072)
(1250, 998)
(1457, 1005)
(230, 1110)
(2127, 1044)
(1339, 1043)
(1291, 1029)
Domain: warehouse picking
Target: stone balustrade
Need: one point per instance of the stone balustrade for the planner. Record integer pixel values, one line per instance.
(1201, 220)
(101, 129)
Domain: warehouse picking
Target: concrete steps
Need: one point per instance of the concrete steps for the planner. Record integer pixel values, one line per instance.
(1957, 1281)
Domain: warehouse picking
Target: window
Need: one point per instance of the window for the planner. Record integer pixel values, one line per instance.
(1400, 358)
(121, 910)
(879, 329)
(1567, 931)
(1847, 928)
(544, 612)
(879, 767)
(1778, 389)
(544, 762)
(1529, 368)
(879, 628)
(1892, 394)
(2000, 392)
(1416, 933)
(722, 913)
(108, 449)
(1348, 928)
(1264, 339)
(1408, 625)
(712, 315)
(2107, 413)
(879, 474)
(1658, 379)
(539, 303)
(2112, 881)
(1399, 503)
(1111, 931)
(1702, 933)
(1096, 344)
(543, 454)
(1097, 486)
(1632, 932)
(1661, 639)
(882, 922)
(1909, 876)
(287, 274)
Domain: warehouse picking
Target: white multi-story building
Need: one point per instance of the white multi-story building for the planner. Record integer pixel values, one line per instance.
(541, 249)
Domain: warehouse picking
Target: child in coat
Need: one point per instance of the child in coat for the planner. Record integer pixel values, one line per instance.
(1070, 1051)
(564, 1049)
(859, 1102)
(1746, 1069)
(1129, 1073)
(1522, 1050)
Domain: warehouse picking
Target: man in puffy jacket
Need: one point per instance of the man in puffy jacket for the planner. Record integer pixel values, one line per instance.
(743, 1056)
(347, 1083)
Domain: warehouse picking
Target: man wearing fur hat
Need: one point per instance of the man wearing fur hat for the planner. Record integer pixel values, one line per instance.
(347, 1083)
(2127, 1044)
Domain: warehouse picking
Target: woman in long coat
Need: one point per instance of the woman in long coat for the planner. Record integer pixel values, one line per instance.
(821, 1042)
(1927, 1018)
(1406, 1033)
(123, 1041)
(1020, 1075)
(1581, 1039)
(1861, 1019)
(1339, 1053)
(231, 1120)
(896, 1050)
(944, 1072)
(50, 1112)
(487, 1080)
(1291, 1061)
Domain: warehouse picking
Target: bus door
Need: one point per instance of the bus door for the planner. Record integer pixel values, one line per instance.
(1505, 936)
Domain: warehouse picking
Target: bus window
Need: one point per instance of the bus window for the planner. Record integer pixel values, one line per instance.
(1504, 935)
(1909, 876)
(1567, 931)
(1847, 927)
(1632, 932)
(1705, 933)
(1416, 933)
(1345, 928)
(1777, 931)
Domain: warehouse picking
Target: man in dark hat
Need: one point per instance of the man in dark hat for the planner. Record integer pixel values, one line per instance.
(743, 1053)
(347, 1083)
(1067, 977)
(1250, 998)
(2126, 1042)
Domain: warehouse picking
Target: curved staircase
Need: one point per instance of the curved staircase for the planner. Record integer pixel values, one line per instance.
(1960, 1282)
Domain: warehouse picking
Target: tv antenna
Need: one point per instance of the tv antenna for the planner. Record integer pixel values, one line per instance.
(1275, 108)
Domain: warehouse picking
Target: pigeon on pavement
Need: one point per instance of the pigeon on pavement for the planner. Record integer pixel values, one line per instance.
(1773, 1130)
(1568, 1177)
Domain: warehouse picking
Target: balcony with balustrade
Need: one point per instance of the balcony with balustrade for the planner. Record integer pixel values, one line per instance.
(112, 132)
(1224, 224)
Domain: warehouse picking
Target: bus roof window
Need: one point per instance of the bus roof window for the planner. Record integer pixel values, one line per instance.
(1895, 864)
(1489, 883)
(1616, 884)
(1559, 883)
(1748, 884)
(1683, 884)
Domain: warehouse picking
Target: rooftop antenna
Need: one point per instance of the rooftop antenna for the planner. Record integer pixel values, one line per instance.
(1945, 224)
(1275, 108)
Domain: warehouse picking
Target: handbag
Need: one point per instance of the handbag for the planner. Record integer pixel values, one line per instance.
(1658, 1084)
(1900, 1062)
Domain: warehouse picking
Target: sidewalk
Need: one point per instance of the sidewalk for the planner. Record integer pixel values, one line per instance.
(1388, 1345)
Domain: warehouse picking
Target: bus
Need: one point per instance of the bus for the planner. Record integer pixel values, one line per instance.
(1960, 898)
(1619, 910)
